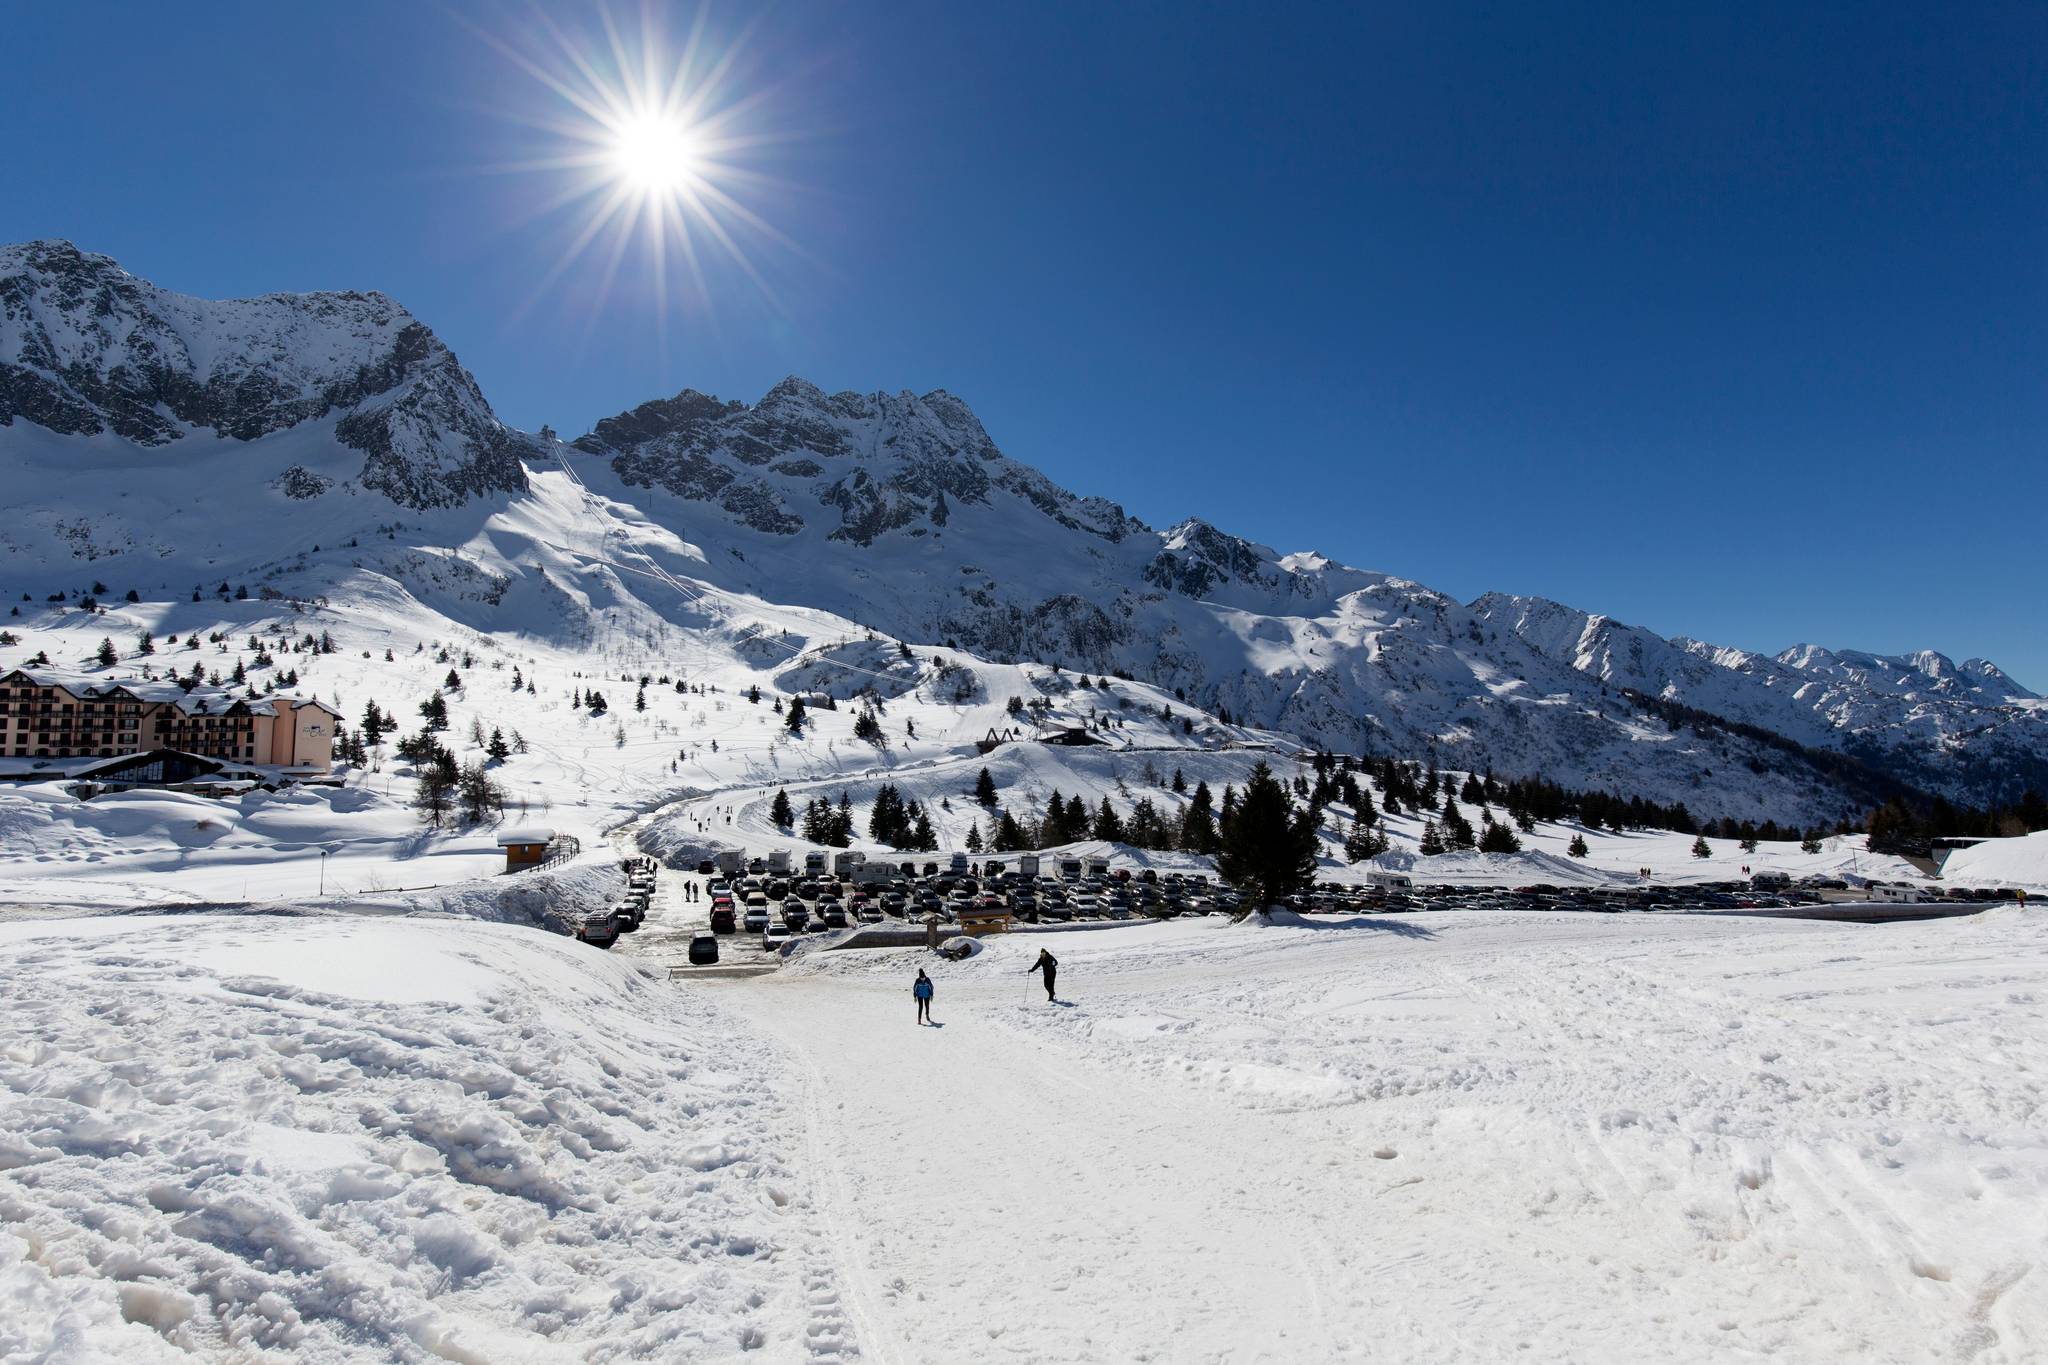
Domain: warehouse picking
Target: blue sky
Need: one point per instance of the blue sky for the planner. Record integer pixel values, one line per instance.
(1726, 320)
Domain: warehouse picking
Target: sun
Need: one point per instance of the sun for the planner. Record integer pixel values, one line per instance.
(656, 148)
(656, 154)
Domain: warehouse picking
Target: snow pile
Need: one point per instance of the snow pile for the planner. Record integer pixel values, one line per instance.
(2021, 862)
(347, 1138)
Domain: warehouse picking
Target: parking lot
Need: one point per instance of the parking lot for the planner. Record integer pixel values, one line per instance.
(768, 903)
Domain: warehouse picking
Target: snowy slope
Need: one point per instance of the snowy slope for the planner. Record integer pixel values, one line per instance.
(1965, 729)
(86, 349)
(1440, 1138)
(324, 449)
(351, 1139)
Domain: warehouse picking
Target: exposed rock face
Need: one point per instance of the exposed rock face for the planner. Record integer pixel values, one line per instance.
(899, 511)
(861, 466)
(87, 348)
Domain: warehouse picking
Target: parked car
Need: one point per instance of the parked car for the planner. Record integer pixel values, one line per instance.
(722, 919)
(703, 950)
(775, 937)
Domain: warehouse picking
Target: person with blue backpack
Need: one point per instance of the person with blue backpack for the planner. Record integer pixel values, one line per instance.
(922, 989)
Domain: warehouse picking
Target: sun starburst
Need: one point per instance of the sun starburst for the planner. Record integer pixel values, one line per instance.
(654, 143)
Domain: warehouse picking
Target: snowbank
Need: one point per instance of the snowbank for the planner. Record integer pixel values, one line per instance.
(2021, 862)
(347, 1138)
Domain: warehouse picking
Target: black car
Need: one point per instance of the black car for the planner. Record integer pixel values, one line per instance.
(703, 950)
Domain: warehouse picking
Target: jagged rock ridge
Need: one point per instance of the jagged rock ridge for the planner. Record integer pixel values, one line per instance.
(87, 348)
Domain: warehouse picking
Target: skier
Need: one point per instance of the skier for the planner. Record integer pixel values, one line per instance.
(1048, 964)
(922, 989)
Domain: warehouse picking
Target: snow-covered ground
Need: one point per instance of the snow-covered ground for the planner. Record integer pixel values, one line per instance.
(2020, 862)
(1432, 1138)
(332, 1139)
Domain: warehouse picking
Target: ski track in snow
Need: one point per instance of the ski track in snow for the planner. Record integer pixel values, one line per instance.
(1426, 1138)
(1565, 1137)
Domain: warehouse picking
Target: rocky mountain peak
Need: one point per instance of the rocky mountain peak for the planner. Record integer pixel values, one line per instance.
(86, 348)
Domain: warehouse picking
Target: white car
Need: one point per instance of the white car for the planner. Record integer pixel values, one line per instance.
(775, 937)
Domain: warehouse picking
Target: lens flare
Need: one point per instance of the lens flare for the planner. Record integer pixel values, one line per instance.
(654, 145)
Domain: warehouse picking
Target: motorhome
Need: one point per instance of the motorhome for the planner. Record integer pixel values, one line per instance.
(1027, 865)
(844, 863)
(814, 864)
(1771, 881)
(958, 864)
(1070, 869)
(1908, 895)
(729, 862)
(778, 862)
(1095, 867)
(1390, 881)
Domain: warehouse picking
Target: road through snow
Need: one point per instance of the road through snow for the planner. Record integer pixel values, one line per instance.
(1445, 1138)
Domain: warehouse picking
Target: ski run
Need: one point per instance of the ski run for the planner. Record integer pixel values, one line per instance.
(1420, 1138)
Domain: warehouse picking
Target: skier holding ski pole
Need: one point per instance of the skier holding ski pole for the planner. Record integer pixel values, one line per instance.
(1048, 964)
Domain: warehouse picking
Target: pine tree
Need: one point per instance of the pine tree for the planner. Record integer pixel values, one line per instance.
(1107, 824)
(985, 789)
(867, 727)
(1198, 822)
(640, 698)
(1009, 836)
(974, 844)
(1499, 839)
(1701, 848)
(433, 793)
(1432, 839)
(434, 710)
(376, 724)
(1267, 850)
(453, 682)
(106, 654)
(1578, 847)
(1810, 844)
(794, 720)
(780, 810)
(146, 644)
(498, 750)
(481, 797)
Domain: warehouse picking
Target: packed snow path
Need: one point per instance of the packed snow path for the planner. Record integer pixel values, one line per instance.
(1441, 1138)
(1446, 1138)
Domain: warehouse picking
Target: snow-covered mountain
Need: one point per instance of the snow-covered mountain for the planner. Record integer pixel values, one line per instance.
(1967, 729)
(87, 349)
(900, 512)
(231, 440)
